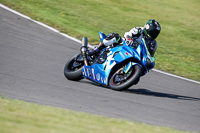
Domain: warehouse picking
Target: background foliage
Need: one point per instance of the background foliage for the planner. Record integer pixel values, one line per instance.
(178, 49)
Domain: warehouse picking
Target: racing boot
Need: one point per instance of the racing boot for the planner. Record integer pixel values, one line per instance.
(96, 50)
(112, 39)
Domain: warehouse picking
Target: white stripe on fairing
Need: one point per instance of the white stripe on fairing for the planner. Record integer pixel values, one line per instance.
(78, 41)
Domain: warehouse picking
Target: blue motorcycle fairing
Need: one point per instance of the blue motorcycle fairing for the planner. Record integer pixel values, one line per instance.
(96, 74)
(100, 72)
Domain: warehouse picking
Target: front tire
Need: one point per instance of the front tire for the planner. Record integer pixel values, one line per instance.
(74, 70)
(120, 81)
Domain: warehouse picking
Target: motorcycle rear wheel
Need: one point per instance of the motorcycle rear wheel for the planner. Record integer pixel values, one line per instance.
(74, 70)
(122, 81)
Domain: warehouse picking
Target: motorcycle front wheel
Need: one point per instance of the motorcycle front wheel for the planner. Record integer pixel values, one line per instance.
(122, 81)
(74, 69)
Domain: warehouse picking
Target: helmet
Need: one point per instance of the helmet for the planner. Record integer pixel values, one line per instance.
(152, 28)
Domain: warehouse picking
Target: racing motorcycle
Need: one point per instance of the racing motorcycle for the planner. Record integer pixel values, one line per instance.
(117, 67)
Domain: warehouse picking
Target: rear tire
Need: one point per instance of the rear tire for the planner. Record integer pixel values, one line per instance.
(74, 70)
(132, 78)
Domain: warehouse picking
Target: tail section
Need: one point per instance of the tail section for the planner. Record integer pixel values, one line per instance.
(101, 36)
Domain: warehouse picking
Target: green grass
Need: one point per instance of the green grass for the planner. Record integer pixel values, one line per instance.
(178, 44)
(22, 117)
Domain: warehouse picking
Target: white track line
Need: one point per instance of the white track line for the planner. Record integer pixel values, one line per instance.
(78, 41)
(172, 75)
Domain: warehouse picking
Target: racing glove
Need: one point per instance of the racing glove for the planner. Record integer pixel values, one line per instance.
(132, 42)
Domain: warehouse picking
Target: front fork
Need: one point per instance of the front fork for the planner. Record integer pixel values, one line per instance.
(129, 66)
(84, 49)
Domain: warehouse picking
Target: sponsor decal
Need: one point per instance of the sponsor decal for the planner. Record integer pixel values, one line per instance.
(93, 73)
(126, 53)
(98, 76)
(84, 72)
(88, 71)
(121, 55)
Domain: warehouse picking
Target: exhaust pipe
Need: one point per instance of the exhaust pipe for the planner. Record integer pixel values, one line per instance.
(84, 49)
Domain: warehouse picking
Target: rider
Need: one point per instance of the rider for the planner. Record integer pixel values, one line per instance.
(149, 32)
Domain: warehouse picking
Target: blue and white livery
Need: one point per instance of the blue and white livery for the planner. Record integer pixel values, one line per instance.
(116, 67)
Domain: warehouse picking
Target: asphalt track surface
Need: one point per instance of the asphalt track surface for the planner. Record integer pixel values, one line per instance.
(32, 59)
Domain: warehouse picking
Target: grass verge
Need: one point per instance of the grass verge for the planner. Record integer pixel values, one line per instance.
(178, 44)
(22, 117)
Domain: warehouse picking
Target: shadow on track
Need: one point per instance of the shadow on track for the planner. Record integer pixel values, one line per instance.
(147, 92)
(160, 94)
